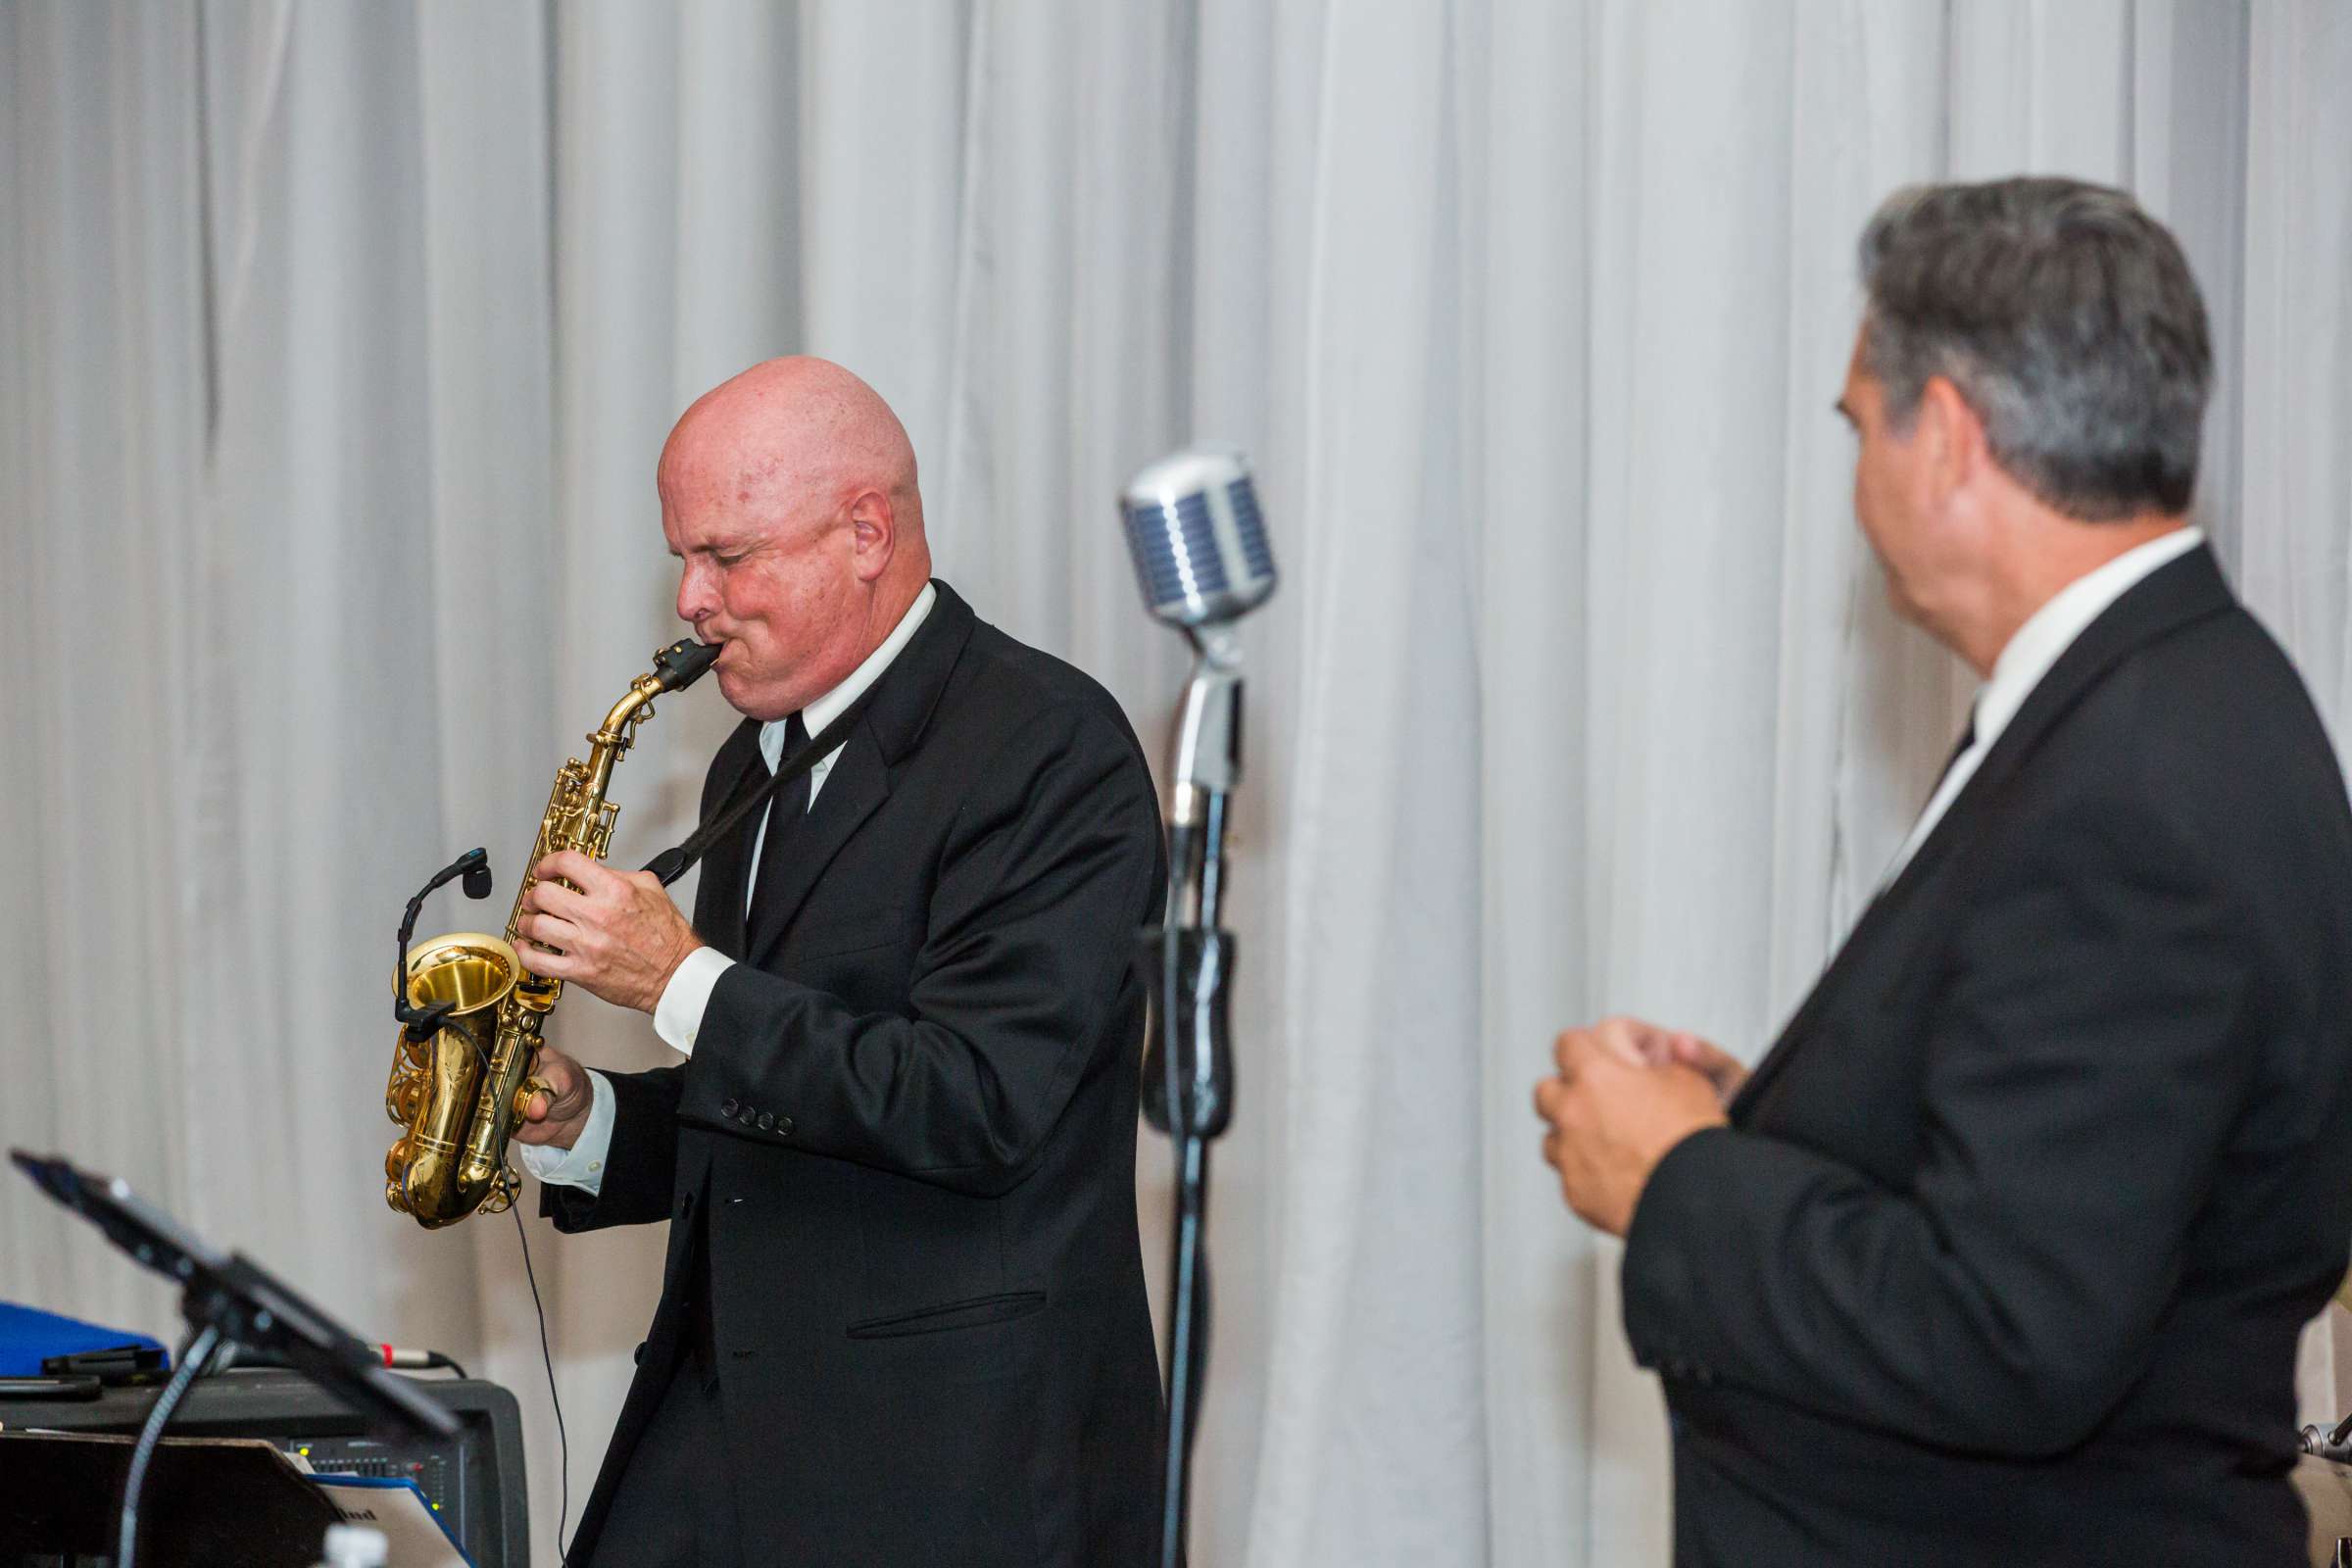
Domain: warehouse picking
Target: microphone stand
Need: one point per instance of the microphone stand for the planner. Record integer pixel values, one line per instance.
(1188, 1066)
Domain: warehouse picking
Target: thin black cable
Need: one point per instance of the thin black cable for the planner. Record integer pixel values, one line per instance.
(563, 1438)
(192, 1358)
(1182, 1241)
(1187, 1323)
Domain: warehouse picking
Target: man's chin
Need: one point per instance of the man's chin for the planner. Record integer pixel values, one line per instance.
(744, 697)
(1905, 607)
(730, 686)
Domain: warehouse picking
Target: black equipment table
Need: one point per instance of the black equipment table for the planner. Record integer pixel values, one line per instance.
(474, 1479)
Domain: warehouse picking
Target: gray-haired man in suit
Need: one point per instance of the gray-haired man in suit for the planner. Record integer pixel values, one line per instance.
(2001, 1253)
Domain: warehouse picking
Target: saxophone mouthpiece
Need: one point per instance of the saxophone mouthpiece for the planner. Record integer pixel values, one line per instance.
(685, 662)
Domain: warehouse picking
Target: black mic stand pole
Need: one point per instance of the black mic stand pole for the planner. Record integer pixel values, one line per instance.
(1188, 1068)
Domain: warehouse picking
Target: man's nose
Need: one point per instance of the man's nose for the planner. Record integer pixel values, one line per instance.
(695, 598)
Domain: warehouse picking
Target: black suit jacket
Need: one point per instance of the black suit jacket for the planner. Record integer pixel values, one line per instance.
(909, 1125)
(2004, 1255)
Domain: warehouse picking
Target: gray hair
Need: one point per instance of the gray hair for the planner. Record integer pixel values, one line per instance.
(2067, 319)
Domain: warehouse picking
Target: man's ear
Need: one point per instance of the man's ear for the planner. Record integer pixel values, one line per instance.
(873, 534)
(1951, 437)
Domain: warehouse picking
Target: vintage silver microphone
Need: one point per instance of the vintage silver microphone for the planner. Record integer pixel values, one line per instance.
(1201, 557)
(1200, 544)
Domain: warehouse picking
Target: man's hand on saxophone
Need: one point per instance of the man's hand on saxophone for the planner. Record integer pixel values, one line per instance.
(620, 935)
(558, 1116)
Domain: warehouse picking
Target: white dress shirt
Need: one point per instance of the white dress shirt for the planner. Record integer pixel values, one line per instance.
(678, 1016)
(2028, 657)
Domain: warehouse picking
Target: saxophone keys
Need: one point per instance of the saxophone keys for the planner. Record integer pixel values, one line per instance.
(502, 1194)
(404, 1099)
(523, 1093)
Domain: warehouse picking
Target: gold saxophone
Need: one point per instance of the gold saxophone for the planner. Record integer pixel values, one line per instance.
(458, 1093)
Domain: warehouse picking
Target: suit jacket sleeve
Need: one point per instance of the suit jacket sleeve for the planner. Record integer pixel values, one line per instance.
(2086, 1056)
(639, 1164)
(1051, 866)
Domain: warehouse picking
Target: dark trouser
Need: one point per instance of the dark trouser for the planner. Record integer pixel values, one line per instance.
(676, 1507)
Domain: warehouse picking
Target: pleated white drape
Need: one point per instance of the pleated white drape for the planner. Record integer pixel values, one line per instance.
(337, 341)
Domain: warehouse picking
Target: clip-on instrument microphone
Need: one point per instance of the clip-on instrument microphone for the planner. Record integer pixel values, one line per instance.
(1201, 555)
(418, 1024)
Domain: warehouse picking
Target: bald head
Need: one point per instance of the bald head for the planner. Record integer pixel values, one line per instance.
(789, 493)
(793, 433)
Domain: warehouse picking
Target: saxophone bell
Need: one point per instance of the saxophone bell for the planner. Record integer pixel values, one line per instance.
(459, 983)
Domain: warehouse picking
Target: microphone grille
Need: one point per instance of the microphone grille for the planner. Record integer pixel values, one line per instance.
(1197, 538)
(1255, 552)
(1175, 552)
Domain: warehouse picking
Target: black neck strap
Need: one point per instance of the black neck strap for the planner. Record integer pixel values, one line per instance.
(672, 864)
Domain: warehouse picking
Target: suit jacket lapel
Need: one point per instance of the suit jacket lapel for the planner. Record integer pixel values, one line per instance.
(2184, 590)
(2175, 595)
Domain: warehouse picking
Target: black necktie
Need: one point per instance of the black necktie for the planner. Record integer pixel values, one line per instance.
(1968, 738)
(785, 808)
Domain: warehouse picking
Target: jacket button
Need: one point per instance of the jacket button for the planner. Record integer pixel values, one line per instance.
(746, 1116)
(638, 1354)
(728, 1108)
(768, 1121)
(783, 1126)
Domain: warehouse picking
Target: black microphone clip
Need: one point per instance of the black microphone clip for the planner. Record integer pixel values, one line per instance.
(419, 1024)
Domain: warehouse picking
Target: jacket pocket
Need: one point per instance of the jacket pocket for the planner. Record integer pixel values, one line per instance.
(827, 933)
(970, 1314)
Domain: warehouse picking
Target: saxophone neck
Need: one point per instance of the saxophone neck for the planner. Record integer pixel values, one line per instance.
(611, 740)
(635, 706)
(675, 667)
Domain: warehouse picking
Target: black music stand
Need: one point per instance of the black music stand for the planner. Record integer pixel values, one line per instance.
(227, 1299)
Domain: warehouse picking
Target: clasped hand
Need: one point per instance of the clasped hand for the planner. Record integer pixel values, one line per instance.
(1625, 1094)
(618, 934)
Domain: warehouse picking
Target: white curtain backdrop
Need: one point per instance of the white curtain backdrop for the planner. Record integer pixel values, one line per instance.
(337, 341)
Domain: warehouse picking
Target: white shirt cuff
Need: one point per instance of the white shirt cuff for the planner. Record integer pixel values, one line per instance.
(582, 1166)
(678, 1016)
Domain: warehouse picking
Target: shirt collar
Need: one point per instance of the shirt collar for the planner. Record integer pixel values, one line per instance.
(817, 715)
(2050, 630)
